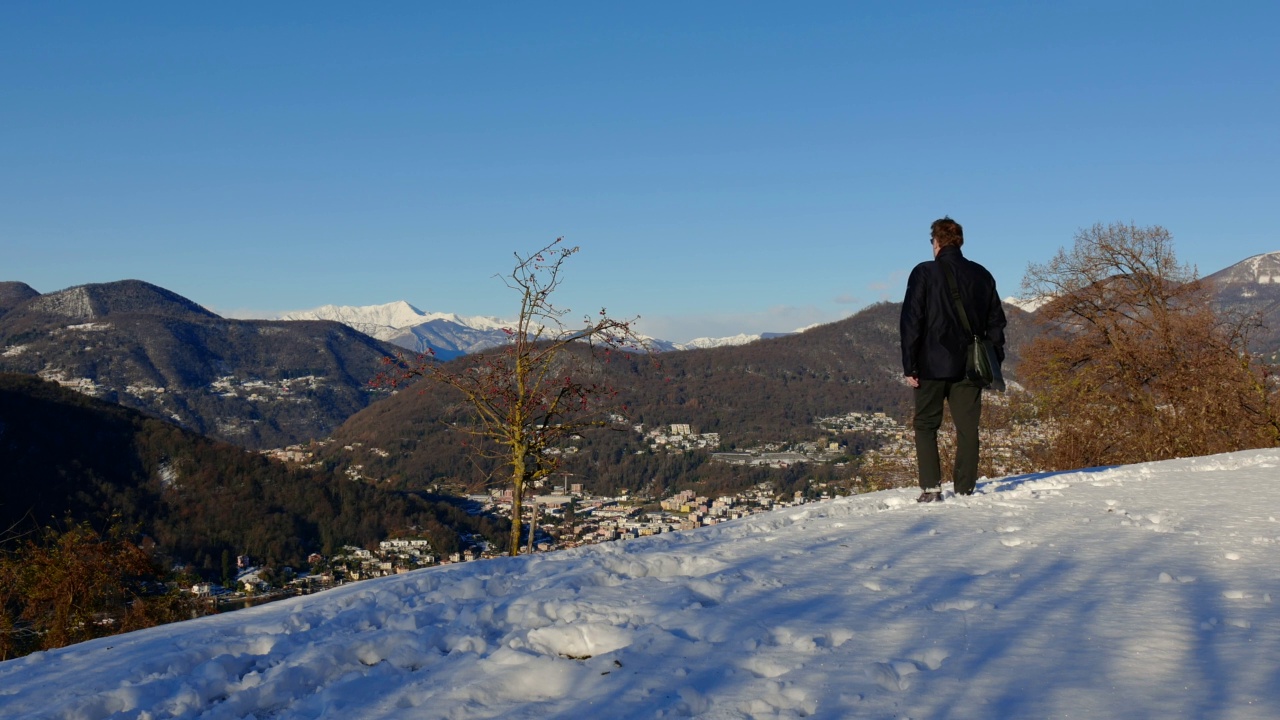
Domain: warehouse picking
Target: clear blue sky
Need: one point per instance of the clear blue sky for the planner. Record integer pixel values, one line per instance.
(725, 166)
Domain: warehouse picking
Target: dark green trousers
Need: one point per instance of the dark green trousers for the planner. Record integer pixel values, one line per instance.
(965, 401)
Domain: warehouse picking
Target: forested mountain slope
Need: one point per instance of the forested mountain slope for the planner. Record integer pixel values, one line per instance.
(68, 457)
(256, 383)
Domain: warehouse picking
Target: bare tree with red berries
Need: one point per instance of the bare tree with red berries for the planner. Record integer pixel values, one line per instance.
(531, 395)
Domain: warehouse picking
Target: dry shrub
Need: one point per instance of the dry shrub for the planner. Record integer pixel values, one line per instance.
(1135, 364)
(76, 585)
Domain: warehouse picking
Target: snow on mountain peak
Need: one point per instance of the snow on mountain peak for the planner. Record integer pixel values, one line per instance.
(450, 334)
(709, 342)
(1264, 268)
(396, 321)
(1027, 304)
(395, 315)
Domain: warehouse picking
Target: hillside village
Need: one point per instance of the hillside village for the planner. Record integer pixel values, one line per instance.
(563, 520)
(566, 516)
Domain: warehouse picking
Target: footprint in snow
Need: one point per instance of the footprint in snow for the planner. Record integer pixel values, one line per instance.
(767, 667)
(894, 675)
(932, 658)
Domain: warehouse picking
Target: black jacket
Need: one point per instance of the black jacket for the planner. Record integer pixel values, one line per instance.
(933, 340)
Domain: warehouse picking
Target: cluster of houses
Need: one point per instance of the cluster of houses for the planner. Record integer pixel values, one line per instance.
(262, 390)
(782, 459)
(351, 563)
(698, 510)
(304, 455)
(875, 423)
(84, 386)
(894, 462)
(393, 556)
(568, 517)
(678, 437)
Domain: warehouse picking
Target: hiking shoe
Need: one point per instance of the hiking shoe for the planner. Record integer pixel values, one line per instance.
(930, 496)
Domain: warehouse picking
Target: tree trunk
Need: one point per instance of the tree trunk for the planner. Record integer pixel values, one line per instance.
(517, 504)
(533, 525)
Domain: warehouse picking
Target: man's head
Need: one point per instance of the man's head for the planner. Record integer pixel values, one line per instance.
(946, 233)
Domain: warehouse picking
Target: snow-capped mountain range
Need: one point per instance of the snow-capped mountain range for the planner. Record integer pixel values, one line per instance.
(400, 323)
(451, 335)
(1251, 282)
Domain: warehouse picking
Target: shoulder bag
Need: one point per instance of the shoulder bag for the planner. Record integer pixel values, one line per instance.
(981, 365)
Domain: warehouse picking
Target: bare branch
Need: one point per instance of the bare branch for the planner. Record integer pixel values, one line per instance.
(1136, 365)
(530, 395)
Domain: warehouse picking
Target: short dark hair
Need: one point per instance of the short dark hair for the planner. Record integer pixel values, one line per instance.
(946, 232)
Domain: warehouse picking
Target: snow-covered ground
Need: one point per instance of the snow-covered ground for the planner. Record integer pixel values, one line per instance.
(1143, 591)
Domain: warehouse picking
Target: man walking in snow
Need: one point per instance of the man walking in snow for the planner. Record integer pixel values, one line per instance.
(933, 354)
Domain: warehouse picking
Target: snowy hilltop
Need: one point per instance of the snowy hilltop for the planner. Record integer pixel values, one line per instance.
(1261, 269)
(1142, 591)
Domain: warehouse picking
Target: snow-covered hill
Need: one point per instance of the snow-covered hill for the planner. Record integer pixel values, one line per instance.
(1250, 287)
(1258, 270)
(1144, 591)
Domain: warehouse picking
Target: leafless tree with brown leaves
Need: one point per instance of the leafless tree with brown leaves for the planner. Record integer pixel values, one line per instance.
(1135, 364)
(530, 396)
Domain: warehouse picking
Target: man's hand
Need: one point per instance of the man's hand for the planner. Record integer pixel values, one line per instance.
(913, 381)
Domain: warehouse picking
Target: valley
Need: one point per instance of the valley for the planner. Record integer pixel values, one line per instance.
(727, 430)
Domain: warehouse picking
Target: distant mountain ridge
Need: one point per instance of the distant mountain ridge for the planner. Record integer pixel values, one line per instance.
(92, 302)
(450, 335)
(447, 334)
(13, 294)
(1252, 287)
(256, 383)
(268, 383)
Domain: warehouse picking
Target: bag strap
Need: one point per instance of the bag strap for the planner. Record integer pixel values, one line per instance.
(955, 296)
